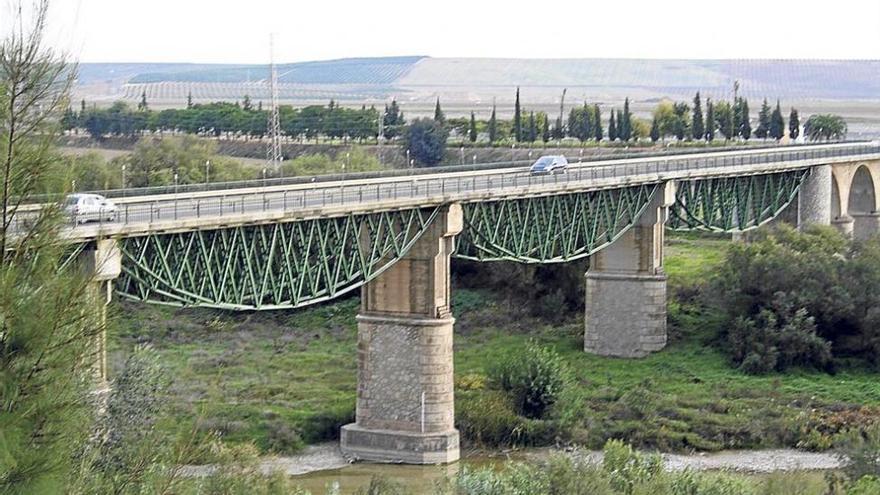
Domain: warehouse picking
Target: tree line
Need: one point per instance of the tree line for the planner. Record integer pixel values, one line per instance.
(698, 120)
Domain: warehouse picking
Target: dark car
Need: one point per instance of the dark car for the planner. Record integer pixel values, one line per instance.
(550, 164)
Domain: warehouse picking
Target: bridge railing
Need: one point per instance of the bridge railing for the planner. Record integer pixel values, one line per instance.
(408, 172)
(319, 196)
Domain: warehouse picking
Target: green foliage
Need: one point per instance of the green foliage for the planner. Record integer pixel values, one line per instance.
(821, 127)
(866, 485)
(777, 123)
(861, 448)
(382, 486)
(763, 130)
(356, 160)
(698, 130)
(238, 472)
(711, 124)
(794, 124)
(154, 162)
(800, 299)
(536, 379)
(426, 141)
(517, 119)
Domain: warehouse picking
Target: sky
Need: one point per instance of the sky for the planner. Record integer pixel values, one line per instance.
(237, 31)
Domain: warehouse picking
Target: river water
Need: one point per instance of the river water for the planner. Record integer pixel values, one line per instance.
(322, 468)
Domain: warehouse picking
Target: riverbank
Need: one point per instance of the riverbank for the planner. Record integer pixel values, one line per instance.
(283, 380)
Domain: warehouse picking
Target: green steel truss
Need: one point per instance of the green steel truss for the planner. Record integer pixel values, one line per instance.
(284, 265)
(550, 229)
(733, 204)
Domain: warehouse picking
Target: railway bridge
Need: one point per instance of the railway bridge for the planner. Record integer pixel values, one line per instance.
(287, 245)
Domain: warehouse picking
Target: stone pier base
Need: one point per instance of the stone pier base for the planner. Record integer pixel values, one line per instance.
(625, 314)
(405, 405)
(866, 225)
(844, 224)
(814, 197)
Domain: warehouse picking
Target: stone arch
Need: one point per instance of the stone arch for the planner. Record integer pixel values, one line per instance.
(841, 179)
(863, 206)
(862, 193)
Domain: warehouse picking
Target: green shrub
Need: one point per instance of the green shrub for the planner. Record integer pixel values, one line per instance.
(381, 486)
(487, 417)
(324, 425)
(536, 379)
(799, 299)
(282, 438)
(861, 450)
(628, 468)
(866, 485)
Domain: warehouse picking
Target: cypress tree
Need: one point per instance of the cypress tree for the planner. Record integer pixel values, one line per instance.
(142, 106)
(493, 126)
(597, 123)
(763, 129)
(587, 120)
(698, 131)
(439, 117)
(472, 135)
(517, 119)
(545, 132)
(745, 127)
(612, 128)
(710, 120)
(624, 122)
(533, 128)
(777, 123)
(794, 124)
(575, 124)
(189, 99)
(655, 130)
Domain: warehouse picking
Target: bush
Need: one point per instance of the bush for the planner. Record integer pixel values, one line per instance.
(795, 299)
(536, 379)
(324, 426)
(866, 485)
(282, 438)
(861, 452)
(487, 417)
(628, 468)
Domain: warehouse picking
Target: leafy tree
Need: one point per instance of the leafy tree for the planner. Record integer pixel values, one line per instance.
(597, 123)
(777, 123)
(794, 124)
(681, 123)
(247, 105)
(142, 105)
(724, 118)
(493, 127)
(438, 113)
(472, 133)
(655, 130)
(666, 118)
(612, 128)
(393, 121)
(426, 140)
(763, 129)
(189, 99)
(824, 127)
(517, 119)
(698, 130)
(710, 121)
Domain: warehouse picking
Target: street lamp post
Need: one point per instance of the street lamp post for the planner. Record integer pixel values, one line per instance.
(207, 170)
(123, 179)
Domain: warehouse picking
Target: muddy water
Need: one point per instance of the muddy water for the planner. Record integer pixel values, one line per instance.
(323, 469)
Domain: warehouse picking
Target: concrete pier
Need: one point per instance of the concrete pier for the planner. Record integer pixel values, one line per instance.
(814, 197)
(626, 287)
(405, 403)
(101, 262)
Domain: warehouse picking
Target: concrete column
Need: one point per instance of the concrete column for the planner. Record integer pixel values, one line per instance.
(626, 287)
(101, 262)
(814, 197)
(405, 404)
(865, 225)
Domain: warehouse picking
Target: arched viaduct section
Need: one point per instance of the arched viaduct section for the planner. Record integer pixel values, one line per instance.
(855, 203)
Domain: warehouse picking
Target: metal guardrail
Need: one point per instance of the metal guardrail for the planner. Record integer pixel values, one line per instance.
(408, 172)
(425, 188)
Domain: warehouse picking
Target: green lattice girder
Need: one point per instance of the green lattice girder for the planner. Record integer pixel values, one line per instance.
(550, 229)
(733, 204)
(282, 265)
